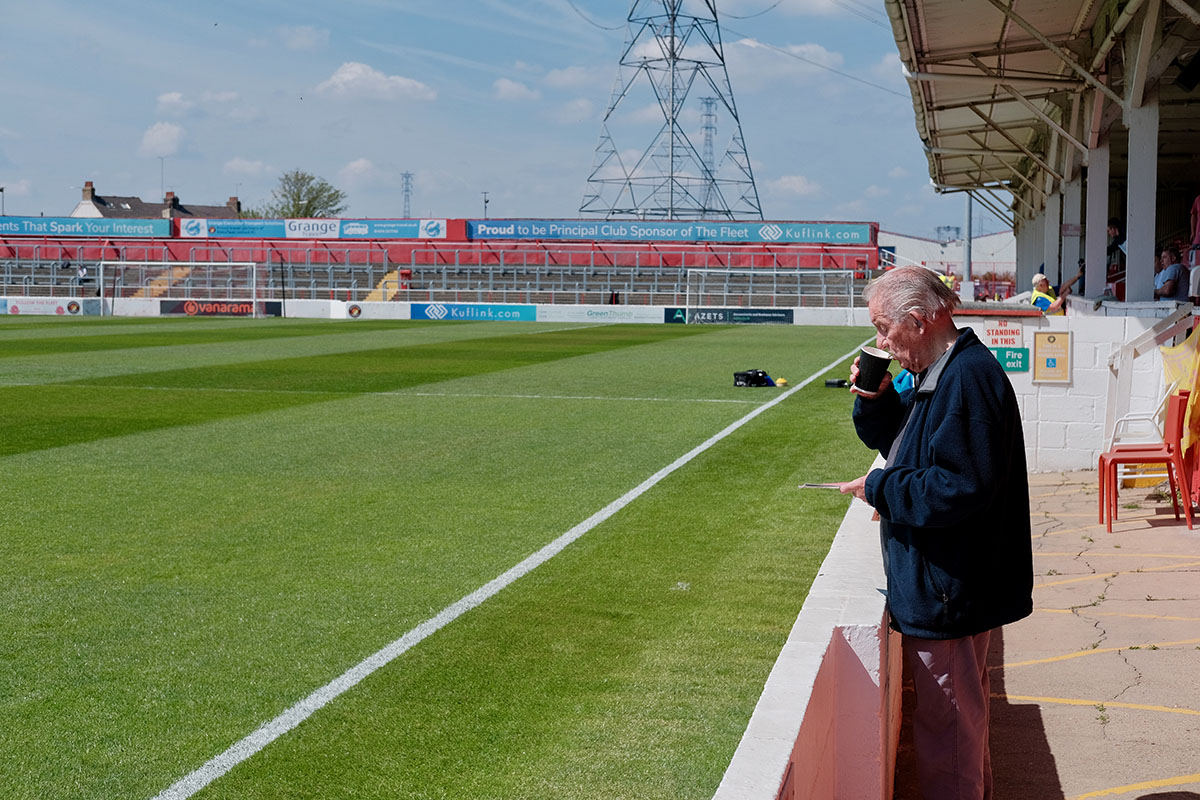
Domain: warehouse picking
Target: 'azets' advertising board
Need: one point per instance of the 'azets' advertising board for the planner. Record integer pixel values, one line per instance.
(730, 316)
(313, 228)
(475, 312)
(857, 233)
(79, 226)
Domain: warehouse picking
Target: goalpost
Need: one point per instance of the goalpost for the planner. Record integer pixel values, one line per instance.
(769, 288)
(223, 281)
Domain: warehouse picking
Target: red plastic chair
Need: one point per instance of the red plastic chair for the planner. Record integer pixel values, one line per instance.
(1169, 452)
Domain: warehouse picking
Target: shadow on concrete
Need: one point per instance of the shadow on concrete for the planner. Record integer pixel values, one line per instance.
(1169, 796)
(1022, 764)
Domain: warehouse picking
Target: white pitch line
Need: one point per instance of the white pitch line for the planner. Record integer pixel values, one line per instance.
(269, 731)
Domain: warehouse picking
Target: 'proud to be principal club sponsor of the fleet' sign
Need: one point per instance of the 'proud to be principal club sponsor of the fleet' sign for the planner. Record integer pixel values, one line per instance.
(636, 230)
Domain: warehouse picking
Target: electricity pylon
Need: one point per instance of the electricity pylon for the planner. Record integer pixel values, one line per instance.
(668, 54)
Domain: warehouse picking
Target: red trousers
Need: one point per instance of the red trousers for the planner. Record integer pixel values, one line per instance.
(950, 720)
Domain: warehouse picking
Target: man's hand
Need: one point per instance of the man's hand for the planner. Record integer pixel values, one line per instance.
(883, 385)
(856, 487)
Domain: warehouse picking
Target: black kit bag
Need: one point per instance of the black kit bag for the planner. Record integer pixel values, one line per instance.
(752, 377)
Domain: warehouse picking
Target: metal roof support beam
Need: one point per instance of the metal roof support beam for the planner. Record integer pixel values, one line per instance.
(1186, 10)
(1147, 38)
(1007, 50)
(1095, 246)
(1033, 156)
(1141, 188)
(1005, 184)
(982, 150)
(1127, 14)
(1037, 112)
(1097, 124)
(1061, 84)
(1014, 193)
(983, 201)
(989, 101)
(1063, 55)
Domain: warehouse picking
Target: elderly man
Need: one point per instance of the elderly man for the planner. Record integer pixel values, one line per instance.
(953, 502)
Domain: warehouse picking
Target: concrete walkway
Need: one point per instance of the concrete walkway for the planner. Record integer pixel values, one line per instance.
(1098, 693)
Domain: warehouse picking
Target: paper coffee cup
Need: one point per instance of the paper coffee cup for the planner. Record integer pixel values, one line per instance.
(872, 365)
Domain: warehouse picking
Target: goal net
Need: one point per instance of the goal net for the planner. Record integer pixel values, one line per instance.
(770, 288)
(227, 281)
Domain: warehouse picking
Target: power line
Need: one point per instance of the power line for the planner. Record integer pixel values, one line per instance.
(871, 19)
(771, 7)
(593, 22)
(818, 64)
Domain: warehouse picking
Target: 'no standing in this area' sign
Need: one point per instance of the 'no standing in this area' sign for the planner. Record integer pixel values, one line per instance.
(1005, 338)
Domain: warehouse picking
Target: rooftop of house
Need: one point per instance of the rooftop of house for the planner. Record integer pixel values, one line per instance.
(118, 206)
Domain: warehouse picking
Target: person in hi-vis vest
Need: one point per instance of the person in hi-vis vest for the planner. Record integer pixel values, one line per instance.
(1044, 297)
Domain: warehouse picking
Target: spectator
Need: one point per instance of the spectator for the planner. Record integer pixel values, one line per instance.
(1195, 219)
(953, 503)
(1044, 297)
(1171, 277)
(1116, 251)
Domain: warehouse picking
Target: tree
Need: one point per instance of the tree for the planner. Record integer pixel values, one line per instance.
(300, 195)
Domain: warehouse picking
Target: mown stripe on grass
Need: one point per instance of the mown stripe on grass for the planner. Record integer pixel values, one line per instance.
(54, 415)
(273, 729)
(345, 337)
(93, 339)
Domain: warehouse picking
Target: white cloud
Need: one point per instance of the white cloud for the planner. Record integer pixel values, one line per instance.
(897, 173)
(357, 172)
(303, 37)
(173, 103)
(874, 191)
(176, 104)
(161, 139)
(794, 184)
(578, 110)
(577, 77)
(244, 166)
(354, 79)
(754, 65)
(19, 188)
(505, 89)
(218, 97)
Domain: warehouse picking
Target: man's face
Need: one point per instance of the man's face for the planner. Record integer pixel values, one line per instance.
(902, 338)
(1043, 285)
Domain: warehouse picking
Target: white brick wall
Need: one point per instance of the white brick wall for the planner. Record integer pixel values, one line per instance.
(1064, 424)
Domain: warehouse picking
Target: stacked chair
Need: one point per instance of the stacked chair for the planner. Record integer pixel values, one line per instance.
(1168, 452)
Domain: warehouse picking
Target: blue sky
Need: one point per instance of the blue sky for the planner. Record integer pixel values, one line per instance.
(502, 96)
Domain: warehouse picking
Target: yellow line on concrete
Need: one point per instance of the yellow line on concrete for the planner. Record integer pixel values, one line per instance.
(1091, 553)
(1071, 701)
(1095, 651)
(1096, 577)
(1117, 614)
(1182, 780)
(1056, 515)
(1097, 526)
(1102, 575)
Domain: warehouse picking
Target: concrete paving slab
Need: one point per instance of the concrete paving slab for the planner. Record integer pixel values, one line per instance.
(1097, 694)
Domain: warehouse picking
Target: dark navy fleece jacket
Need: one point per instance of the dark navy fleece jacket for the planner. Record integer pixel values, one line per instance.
(953, 500)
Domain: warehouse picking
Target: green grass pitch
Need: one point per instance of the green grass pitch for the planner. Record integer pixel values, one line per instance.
(206, 520)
